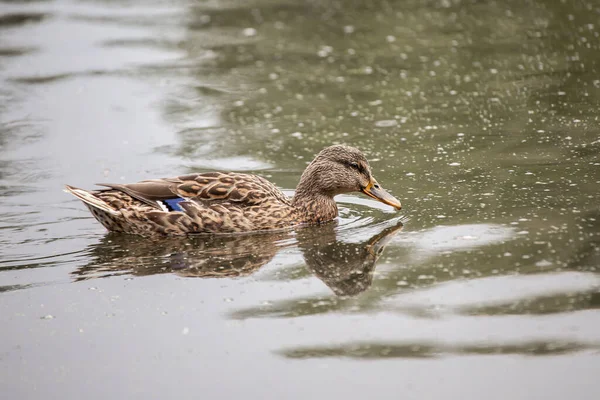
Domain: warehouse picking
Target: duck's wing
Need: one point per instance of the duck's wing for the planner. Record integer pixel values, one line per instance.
(151, 192)
(210, 187)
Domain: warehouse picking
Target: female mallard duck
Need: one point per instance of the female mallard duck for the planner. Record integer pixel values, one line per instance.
(228, 202)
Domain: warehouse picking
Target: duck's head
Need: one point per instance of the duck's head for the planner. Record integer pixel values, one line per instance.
(343, 169)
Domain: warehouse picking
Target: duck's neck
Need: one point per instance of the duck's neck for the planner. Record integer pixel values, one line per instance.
(312, 205)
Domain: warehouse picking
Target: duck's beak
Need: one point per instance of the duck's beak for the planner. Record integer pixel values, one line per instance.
(378, 193)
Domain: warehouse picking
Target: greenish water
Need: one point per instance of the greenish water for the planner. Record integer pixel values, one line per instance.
(480, 116)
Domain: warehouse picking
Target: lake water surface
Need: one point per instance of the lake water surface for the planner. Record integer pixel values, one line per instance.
(482, 117)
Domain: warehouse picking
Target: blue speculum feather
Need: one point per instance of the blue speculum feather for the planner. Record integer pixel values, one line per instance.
(173, 204)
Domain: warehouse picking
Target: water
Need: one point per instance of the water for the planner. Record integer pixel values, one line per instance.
(481, 117)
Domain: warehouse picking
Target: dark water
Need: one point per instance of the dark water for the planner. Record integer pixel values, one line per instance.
(481, 116)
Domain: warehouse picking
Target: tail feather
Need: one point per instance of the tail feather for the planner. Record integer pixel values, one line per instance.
(91, 200)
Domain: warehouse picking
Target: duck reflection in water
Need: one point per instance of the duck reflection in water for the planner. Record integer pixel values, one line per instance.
(346, 268)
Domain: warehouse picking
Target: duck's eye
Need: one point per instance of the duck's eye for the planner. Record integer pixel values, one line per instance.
(354, 165)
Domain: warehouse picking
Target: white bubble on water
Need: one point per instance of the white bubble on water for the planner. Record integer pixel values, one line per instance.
(249, 32)
(386, 123)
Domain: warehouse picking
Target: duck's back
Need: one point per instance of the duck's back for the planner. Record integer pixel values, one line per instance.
(213, 202)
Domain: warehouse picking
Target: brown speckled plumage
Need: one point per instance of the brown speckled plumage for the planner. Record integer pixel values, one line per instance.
(228, 202)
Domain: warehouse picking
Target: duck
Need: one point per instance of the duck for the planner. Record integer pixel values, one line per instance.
(231, 202)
